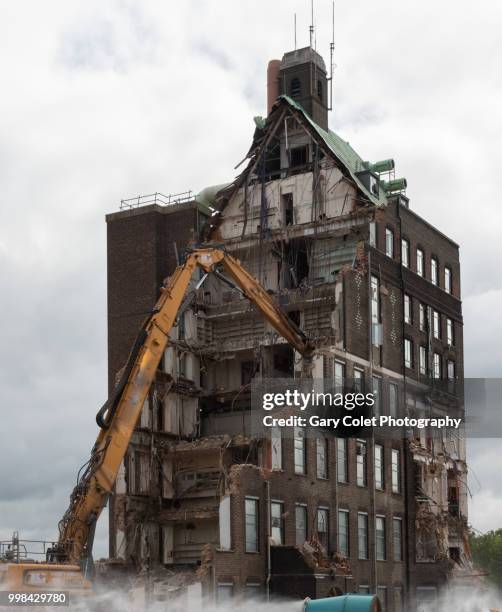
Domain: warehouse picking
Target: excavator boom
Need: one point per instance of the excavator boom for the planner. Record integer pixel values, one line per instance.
(119, 416)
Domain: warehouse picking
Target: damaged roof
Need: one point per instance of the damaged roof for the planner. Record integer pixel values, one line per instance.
(341, 150)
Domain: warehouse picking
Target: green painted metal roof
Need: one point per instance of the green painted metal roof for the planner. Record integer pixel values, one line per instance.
(342, 151)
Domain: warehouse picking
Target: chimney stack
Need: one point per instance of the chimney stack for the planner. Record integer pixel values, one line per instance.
(272, 83)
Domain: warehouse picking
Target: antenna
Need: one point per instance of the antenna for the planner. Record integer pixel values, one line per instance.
(311, 27)
(331, 54)
(295, 31)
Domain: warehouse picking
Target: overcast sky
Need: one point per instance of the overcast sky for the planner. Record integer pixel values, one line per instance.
(106, 100)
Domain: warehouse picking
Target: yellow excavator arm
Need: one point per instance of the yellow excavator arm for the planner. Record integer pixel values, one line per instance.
(119, 416)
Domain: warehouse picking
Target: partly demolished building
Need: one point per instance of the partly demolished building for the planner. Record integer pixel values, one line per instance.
(204, 507)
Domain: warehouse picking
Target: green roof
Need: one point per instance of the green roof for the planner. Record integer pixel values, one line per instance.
(342, 151)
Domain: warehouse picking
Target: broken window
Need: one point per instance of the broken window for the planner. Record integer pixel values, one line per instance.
(323, 527)
(322, 457)
(397, 535)
(251, 515)
(420, 262)
(284, 361)
(361, 463)
(343, 532)
(341, 460)
(300, 524)
(277, 522)
(379, 467)
(380, 538)
(299, 156)
(396, 471)
(375, 300)
(362, 535)
(389, 242)
(300, 451)
(372, 234)
(248, 369)
(287, 209)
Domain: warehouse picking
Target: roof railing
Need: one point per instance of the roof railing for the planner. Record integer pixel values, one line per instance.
(157, 198)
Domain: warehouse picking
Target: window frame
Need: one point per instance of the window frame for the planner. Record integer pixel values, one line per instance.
(380, 538)
(300, 469)
(362, 463)
(275, 503)
(397, 520)
(346, 536)
(342, 442)
(420, 267)
(408, 309)
(363, 553)
(448, 274)
(379, 466)
(405, 249)
(255, 501)
(304, 511)
(396, 471)
(434, 271)
(322, 443)
(408, 353)
(389, 242)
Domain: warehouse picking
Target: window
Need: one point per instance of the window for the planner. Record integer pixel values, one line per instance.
(300, 524)
(396, 471)
(407, 309)
(288, 208)
(276, 447)
(343, 532)
(421, 317)
(434, 270)
(299, 156)
(377, 394)
(397, 536)
(319, 89)
(372, 234)
(398, 599)
(375, 300)
(361, 465)
(300, 449)
(323, 527)
(437, 365)
(382, 596)
(451, 370)
(405, 253)
(322, 457)
(251, 511)
(358, 381)
(277, 522)
(393, 399)
(341, 460)
(379, 467)
(426, 598)
(408, 353)
(363, 589)
(225, 592)
(339, 377)
(420, 262)
(253, 591)
(295, 88)
(362, 535)
(422, 359)
(450, 339)
(436, 324)
(447, 280)
(389, 242)
(380, 538)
